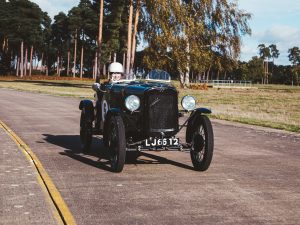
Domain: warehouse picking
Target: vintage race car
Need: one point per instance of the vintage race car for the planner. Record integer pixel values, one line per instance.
(139, 115)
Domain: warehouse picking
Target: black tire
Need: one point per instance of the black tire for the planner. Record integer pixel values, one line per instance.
(116, 143)
(86, 130)
(200, 133)
(105, 133)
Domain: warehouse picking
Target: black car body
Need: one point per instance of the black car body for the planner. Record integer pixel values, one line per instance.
(152, 126)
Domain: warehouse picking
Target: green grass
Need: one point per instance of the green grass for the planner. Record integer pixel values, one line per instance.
(275, 106)
(78, 89)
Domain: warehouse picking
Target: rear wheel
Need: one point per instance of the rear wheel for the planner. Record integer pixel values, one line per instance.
(86, 131)
(202, 142)
(116, 143)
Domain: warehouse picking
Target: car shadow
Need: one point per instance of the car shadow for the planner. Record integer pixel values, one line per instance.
(71, 144)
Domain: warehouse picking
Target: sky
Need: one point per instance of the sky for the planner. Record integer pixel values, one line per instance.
(273, 22)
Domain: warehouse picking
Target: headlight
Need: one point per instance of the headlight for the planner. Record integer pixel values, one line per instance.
(132, 102)
(188, 103)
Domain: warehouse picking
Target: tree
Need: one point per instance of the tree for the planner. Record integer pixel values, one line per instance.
(187, 32)
(99, 42)
(294, 57)
(60, 37)
(83, 22)
(134, 35)
(4, 32)
(21, 24)
(274, 54)
(46, 45)
(265, 54)
(255, 69)
(129, 37)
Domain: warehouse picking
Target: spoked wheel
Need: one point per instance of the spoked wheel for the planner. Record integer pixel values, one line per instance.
(202, 138)
(86, 131)
(116, 143)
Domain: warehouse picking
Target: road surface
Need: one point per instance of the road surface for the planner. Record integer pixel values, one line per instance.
(253, 178)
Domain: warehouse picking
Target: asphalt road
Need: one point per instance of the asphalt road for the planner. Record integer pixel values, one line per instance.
(253, 178)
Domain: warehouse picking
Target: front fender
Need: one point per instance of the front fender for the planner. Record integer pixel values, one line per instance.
(88, 107)
(197, 112)
(202, 111)
(87, 104)
(191, 120)
(113, 112)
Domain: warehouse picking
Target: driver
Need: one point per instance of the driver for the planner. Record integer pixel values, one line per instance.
(116, 71)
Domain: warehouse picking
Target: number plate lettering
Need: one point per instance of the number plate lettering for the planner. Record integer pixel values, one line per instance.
(154, 142)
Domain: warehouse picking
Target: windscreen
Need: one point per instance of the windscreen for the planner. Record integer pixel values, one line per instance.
(158, 75)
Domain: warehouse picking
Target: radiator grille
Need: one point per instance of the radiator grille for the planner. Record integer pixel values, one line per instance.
(163, 111)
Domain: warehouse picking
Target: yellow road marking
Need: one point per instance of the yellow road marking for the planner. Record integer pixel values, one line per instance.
(65, 215)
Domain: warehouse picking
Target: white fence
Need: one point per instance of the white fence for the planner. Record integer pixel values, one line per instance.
(226, 83)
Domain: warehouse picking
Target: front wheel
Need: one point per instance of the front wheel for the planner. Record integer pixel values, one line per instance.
(116, 142)
(202, 142)
(86, 131)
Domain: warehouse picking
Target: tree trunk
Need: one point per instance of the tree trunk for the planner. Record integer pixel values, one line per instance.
(18, 66)
(104, 70)
(81, 62)
(208, 72)
(267, 74)
(3, 45)
(272, 69)
(26, 62)
(75, 50)
(100, 37)
(46, 66)
(96, 65)
(68, 63)
(31, 64)
(136, 21)
(124, 59)
(181, 76)
(187, 77)
(263, 77)
(22, 58)
(187, 70)
(57, 65)
(129, 36)
(42, 63)
(36, 61)
(115, 57)
(60, 65)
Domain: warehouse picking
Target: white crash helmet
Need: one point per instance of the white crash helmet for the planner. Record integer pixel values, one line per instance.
(115, 67)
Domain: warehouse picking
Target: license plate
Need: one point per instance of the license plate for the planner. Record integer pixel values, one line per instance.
(154, 142)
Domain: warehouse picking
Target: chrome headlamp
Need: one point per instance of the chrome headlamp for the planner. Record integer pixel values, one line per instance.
(188, 103)
(132, 102)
